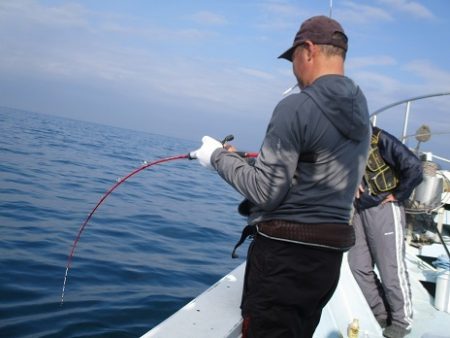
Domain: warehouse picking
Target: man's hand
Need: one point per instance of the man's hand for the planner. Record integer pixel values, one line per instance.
(230, 147)
(203, 154)
(389, 198)
(359, 191)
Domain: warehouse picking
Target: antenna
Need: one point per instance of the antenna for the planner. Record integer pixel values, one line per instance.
(331, 8)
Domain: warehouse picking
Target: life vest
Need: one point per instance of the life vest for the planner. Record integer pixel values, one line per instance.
(379, 176)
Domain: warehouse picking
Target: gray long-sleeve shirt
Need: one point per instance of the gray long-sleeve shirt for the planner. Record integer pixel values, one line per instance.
(328, 120)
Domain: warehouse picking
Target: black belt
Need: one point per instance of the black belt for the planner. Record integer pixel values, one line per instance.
(336, 236)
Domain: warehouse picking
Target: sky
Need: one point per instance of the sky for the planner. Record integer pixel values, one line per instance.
(192, 68)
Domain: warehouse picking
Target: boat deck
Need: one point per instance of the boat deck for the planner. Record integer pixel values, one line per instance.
(215, 313)
(428, 321)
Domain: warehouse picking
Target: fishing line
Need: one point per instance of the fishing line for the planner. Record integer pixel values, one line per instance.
(119, 182)
(146, 165)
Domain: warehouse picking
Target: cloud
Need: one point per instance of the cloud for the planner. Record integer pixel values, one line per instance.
(422, 77)
(209, 18)
(62, 42)
(414, 79)
(256, 73)
(94, 54)
(125, 60)
(355, 12)
(409, 7)
(281, 15)
(429, 75)
(370, 61)
(153, 32)
(379, 87)
(29, 12)
(282, 9)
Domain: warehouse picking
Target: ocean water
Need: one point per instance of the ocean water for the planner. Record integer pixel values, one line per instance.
(156, 242)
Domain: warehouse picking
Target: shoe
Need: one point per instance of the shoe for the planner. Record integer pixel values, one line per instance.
(395, 331)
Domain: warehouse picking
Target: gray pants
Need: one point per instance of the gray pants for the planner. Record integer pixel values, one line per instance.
(380, 242)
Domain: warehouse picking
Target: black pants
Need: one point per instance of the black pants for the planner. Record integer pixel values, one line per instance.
(286, 287)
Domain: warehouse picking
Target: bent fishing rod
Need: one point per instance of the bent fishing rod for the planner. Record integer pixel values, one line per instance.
(189, 156)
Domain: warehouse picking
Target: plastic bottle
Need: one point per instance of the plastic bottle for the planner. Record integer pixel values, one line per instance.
(353, 329)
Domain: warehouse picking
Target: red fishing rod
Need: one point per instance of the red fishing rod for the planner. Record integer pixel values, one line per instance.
(118, 183)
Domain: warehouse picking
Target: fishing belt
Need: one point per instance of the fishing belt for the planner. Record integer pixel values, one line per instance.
(379, 175)
(336, 236)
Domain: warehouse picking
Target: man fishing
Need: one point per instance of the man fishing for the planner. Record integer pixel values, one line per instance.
(299, 190)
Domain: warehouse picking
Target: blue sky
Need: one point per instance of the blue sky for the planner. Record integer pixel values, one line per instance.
(194, 68)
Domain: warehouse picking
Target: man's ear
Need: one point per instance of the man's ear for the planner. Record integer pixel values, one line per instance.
(310, 49)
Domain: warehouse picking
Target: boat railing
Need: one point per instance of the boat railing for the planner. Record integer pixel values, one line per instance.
(408, 103)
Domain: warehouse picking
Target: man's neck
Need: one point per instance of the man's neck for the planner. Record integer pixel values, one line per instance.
(328, 66)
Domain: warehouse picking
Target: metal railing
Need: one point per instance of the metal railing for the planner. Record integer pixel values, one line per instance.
(408, 102)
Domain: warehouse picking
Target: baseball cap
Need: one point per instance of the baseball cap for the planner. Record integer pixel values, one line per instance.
(320, 30)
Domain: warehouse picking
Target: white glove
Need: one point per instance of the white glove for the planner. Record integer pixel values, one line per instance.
(204, 153)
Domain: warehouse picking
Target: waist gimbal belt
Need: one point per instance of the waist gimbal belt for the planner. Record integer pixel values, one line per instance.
(334, 236)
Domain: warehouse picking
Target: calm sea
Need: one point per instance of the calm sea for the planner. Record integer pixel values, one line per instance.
(159, 240)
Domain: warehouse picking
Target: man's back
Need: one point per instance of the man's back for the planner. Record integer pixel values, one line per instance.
(314, 153)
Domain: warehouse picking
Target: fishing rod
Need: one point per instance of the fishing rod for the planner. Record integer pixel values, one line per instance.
(189, 156)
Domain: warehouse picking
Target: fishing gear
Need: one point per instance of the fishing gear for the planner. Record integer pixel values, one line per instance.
(119, 182)
(189, 156)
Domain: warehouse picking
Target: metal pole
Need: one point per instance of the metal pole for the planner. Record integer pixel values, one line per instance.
(405, 123)
(439, 226)
(404, 101)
